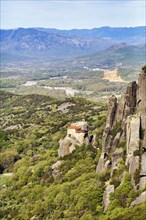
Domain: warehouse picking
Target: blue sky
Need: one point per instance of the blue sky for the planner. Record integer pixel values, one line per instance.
(72, 14)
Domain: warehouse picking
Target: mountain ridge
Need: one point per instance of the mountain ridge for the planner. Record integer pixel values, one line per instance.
(51, 43)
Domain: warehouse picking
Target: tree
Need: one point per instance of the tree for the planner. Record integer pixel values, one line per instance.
(144, 68)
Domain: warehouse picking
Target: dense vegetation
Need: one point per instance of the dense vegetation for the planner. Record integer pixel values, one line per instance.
(31, 127)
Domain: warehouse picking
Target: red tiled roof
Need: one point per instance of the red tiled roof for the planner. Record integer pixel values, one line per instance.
(75, 127)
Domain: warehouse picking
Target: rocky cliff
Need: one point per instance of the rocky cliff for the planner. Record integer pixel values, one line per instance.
(124, 137)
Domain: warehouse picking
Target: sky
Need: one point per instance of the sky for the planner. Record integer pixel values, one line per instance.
(69, 14)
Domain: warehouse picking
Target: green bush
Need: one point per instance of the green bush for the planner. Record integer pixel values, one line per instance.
(144, 68)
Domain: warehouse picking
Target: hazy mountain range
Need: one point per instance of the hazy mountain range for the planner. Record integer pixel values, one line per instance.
(116, 55)
(47, 44)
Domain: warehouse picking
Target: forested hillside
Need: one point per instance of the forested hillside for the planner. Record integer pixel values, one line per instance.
(31, 127)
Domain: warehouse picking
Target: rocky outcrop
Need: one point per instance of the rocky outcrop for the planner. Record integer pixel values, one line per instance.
(55, 169)
(116, 156)
(141, 103)
(125, 135)
(117, 115)
(67, 146)
(112, 108)
(133, 134)
(106, 196)
(133, 145)
(101, 163)
(143, 171)
(139, 199)
(141, 97)
(116, 122)
(127, 103)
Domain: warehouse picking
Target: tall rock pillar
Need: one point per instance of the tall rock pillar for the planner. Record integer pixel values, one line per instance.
(141, 103)
(141, 108)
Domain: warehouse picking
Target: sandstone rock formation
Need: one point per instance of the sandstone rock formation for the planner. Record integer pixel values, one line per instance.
(133, 131)
(141, 108)
(141, 102)
(106, 200)
(143, 171)
(112, 108)
(139, 199)
(126, 106)
(55, 168)
(116, 122)
(125, 134)
(67, 145)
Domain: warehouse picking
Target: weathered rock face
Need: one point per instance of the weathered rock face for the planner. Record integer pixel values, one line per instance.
(112, 108)
(133, 134)
(116, 156)
(141, 102)
(143, 171)
(117, 115)
(55, 169)
(127, 103)
(141, 95)
(126, 127)
(106, 200)
(133, 164)
(141, 109)
(67, 146)
(101, 163)
(139, 199)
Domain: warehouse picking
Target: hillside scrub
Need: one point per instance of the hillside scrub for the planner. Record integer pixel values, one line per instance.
(29, 151)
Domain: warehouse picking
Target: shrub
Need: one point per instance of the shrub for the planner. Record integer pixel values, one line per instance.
(144, 68)
(116, 182)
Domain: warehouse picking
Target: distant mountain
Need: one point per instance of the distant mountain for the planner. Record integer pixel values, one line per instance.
(129, 35)
(51, 44)
(34, 43)
(117, 55)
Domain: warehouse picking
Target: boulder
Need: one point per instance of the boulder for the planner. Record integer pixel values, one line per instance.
(140, 199)
(55, 169)
(57, 164)
(66, 147)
